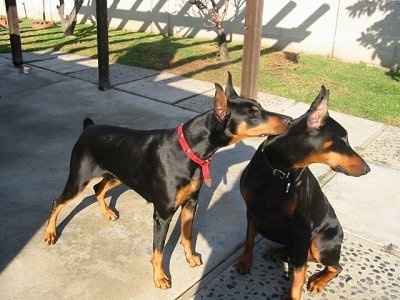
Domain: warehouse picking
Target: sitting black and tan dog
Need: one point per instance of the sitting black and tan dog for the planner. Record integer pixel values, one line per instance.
(166, 166)
(285, 203)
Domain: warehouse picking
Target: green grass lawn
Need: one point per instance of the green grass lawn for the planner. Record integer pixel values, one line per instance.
(356, 89)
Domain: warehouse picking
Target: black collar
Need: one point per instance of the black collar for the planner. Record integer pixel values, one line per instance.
(282, 174)
(288, 177)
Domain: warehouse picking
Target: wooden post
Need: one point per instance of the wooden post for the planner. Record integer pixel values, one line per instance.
(13, 28)
(102, 45)
(251, 48)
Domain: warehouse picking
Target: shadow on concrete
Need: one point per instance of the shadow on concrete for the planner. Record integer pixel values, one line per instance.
(230, 162)
(80, 205)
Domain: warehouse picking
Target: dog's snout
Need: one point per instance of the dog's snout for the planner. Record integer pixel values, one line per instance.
(287, 120)
(283, 118)
(366, 169)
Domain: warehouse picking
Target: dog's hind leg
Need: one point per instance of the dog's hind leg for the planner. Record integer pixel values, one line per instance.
(101, 188)
(82, 170)
(318, 281)
(329, 257)
(71, 191)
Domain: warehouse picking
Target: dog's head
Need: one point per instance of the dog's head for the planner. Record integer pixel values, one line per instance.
(318, 138)
(245, 117)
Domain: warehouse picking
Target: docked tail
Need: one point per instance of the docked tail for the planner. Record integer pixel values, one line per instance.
(87, 122)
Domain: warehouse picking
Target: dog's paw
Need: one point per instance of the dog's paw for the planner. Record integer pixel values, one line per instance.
(162, 281)
(318, 281)
(110, 215)
(243, 266)
(276, 254)
(288, 297)
(194, 261)
(316, 286)
(50, 236)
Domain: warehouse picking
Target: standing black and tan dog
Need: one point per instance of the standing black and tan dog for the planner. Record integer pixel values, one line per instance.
(166, 167)
(284, 201)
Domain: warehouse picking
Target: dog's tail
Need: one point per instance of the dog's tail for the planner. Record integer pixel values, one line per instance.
(87, 122)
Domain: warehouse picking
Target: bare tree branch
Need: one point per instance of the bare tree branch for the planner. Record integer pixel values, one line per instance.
(215, 19)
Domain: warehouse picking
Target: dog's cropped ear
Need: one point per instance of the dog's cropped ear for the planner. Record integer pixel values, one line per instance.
(220, 103)
(318, 110)
(229, 90)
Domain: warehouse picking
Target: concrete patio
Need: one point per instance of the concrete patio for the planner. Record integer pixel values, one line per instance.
(42, 106)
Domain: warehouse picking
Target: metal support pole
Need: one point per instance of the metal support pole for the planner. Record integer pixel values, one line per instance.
(251, 48)
(13, 28)
(102, 45)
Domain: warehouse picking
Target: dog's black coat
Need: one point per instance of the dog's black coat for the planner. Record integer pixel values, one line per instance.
(152, 163)
(284, 201)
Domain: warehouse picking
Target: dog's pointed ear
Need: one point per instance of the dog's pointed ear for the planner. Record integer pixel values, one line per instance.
(220, 102)
(318, 110)
(229, 90)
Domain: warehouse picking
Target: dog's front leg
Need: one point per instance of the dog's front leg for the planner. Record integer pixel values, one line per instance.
(299, 278)
(244, 263)
(187, 216)
(160, 230)
(298, 247)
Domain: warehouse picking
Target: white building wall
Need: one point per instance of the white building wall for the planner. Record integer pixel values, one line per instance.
(332, 28)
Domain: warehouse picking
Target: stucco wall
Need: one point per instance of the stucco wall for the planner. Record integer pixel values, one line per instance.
(352, 30)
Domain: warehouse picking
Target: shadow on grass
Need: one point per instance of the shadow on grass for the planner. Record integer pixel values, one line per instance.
(394, 75)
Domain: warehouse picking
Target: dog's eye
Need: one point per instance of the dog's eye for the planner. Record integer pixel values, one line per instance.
(344, 139)
(254, 110)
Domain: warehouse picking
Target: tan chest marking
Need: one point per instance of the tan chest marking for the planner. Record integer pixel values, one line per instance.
(184, 193)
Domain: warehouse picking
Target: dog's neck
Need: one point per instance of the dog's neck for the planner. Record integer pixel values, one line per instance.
(277, 169)
(276, 156)
(281, 152)
(284, 175)
(205, 134)
(203, 163)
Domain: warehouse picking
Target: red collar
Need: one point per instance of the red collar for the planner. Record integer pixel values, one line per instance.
(205, 164)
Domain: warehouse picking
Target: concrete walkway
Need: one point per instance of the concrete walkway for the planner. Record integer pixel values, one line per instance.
(41, 110)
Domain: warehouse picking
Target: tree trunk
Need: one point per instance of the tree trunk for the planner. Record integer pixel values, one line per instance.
(60, 9)
(68, 22)
(222, 44)
(215, 18)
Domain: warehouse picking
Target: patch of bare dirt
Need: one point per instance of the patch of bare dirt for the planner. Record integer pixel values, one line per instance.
(279, 60)
(211, 69)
